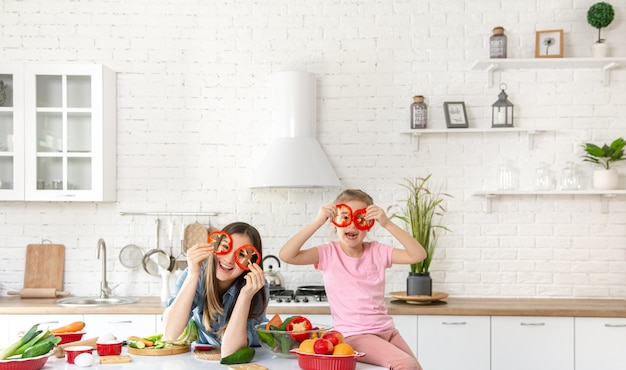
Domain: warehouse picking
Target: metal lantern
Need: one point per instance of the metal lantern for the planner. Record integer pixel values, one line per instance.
(502, 110)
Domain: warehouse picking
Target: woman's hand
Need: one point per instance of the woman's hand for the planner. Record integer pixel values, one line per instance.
(255, 280)
(196, 255)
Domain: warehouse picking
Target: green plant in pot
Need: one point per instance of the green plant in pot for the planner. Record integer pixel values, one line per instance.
(422, 215)
(605, 156)
(599, 16)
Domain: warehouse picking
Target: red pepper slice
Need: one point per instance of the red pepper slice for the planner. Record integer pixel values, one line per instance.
(359, 220)
(221, 241)
(245, 255)
(297, 326)
(343, 215)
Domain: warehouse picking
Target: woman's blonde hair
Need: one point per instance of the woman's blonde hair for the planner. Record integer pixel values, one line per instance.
(213, 307)
(354, 194)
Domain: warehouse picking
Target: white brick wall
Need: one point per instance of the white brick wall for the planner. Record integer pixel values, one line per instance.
(194, 119)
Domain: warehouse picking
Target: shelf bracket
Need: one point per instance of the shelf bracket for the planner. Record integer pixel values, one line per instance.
(604, 202)
(487, 202)
(490, 70)
(606, 73)
(416, 138)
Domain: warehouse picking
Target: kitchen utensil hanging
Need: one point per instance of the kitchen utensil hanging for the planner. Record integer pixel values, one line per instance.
(195, 233)
(156, 259)
(131, 256)
(171, 241)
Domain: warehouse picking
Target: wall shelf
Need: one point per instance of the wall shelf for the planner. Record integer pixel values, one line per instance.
(416, 133)
(604, 195)
(603, 65)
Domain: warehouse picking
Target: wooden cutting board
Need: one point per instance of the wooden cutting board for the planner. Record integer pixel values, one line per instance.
(173, 350)
(44, 266)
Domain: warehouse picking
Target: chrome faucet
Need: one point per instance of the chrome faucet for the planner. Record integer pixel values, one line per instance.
(105, 291)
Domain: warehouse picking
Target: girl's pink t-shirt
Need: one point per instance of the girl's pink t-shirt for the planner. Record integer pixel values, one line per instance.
(355, 287)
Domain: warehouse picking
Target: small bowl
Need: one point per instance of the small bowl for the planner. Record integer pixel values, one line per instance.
(280, 342)
(312, 361)
(70, 337)
(34, 363)
(109, 348)
(72, 352)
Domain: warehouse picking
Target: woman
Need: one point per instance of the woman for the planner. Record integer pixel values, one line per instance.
(223, 290)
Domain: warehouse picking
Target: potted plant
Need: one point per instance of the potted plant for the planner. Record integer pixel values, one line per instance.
(605, 156)
(422, 215)
(600, 15)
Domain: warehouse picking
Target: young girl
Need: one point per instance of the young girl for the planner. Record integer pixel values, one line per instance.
(223, 290)
(354, 276)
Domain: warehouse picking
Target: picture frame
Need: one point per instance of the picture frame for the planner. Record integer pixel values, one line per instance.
(456, 115)
(549, 44)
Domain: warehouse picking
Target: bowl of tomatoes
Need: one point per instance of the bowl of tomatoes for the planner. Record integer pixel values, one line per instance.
(280, 337)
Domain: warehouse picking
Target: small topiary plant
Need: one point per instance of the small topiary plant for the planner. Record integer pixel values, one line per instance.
(599, 16)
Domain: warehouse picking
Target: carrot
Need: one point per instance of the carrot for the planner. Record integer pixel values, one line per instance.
(145, 341)
(70, 328)
(275, 321)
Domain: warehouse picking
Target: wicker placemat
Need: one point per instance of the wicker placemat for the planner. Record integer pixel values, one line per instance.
(213, 354)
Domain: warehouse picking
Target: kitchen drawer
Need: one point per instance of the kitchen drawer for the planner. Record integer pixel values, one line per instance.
(531, 342)
(600, 343)
(467, 337)
(121, 326)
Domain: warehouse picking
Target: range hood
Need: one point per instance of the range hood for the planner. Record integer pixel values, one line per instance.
(294, 158)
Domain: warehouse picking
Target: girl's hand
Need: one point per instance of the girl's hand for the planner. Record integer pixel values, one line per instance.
(196, 256)
(374, 212)
(255, 280)
(325, 213)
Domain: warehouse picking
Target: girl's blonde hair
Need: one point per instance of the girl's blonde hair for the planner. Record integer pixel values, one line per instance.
(213, 307)
(354, 194)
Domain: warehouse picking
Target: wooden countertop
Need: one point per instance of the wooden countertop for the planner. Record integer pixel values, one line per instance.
(449, 306)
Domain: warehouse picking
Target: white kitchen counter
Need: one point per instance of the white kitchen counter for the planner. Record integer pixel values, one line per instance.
(186, 361)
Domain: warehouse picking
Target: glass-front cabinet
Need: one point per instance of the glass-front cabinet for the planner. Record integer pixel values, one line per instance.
(11, 132)
(69, 120)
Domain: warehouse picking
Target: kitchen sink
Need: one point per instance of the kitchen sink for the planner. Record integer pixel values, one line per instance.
(95, 301)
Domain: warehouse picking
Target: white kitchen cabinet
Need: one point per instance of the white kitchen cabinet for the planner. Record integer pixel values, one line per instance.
(4, 331)
(11, 132)
(522, 343)
(61, 121)
(121, 326)
(600, 343)
(19, 324)
(454, 342)
(407, 326)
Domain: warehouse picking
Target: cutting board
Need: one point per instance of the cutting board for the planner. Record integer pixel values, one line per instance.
(173, 350)
(44, 266)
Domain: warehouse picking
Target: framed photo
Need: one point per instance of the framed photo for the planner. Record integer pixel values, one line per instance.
(549, 44)
(456, 116)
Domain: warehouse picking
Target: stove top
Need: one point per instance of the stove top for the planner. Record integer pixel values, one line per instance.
(299, 296)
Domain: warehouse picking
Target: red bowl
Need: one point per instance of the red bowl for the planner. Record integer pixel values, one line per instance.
(72, 352)
(311, 361)
(109, 348)
(34, 363)
(70, 337)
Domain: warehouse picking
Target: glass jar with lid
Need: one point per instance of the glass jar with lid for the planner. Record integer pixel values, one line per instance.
(497, 43)
(419, 113)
